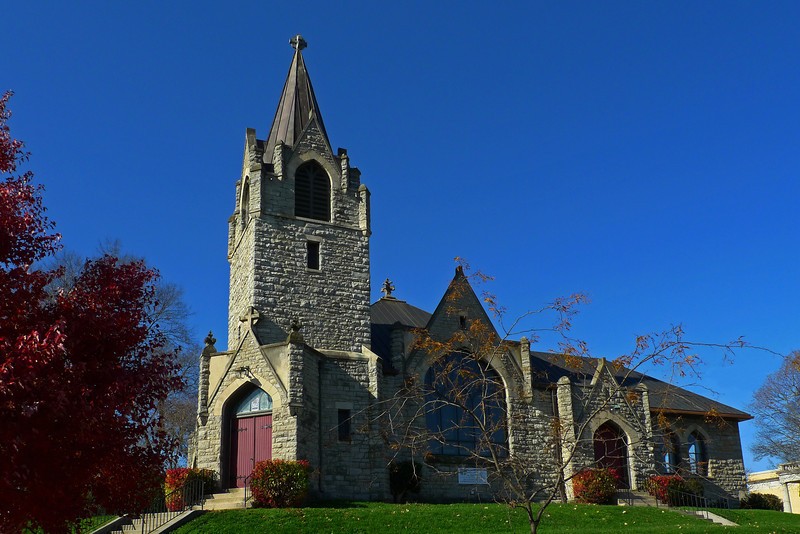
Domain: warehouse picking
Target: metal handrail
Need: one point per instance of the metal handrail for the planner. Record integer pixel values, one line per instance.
(682, 499)
(171, 505)
(625, 495)
(248, 477)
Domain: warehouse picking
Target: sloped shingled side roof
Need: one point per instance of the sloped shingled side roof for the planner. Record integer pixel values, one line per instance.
(548, 367)
(387, 312)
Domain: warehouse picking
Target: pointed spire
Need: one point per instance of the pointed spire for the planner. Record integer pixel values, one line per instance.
(297, 105)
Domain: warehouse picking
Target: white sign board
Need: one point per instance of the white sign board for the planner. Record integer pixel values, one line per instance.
(472, 476)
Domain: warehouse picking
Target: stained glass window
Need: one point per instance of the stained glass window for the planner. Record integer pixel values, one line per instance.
(257, 401)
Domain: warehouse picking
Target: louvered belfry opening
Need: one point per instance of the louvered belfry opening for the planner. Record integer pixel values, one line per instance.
(312, 195)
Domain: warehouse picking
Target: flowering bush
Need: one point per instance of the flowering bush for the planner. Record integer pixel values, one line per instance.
(181, 476)
(279, 483)
(596, 486)
(670, 489)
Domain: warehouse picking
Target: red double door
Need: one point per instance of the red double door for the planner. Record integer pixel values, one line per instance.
(610, 450)
(251, 442)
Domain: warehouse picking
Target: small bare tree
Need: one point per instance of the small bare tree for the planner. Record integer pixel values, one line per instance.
(467, 391)
(776, 407)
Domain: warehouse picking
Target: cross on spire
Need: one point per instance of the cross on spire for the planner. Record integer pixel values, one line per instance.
(297, 42)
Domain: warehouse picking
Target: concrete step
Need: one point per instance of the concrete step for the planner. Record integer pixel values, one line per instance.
(713, 518)
(229, 500)
(639, 498)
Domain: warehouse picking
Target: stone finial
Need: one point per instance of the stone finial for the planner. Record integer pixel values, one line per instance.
(295, 336)
(297, 42)
(387, 288)
(210, 339)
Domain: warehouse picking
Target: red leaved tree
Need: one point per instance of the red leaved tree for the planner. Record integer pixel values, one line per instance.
(81, 371)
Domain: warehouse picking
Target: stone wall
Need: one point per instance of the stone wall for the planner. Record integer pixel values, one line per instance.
(268, 251)
(350, 468)
(723, 444)
(332, 304)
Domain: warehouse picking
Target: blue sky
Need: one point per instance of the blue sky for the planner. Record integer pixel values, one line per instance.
(642, 152)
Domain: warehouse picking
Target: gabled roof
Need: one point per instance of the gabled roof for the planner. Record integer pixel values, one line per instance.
(297, 106)
(390, 310)
(548, 367)
(384, 314)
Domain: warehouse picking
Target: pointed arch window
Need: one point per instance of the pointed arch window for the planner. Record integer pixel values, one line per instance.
(466, 412)
(312, 194)
(244, 203)
(671, 453)
(698, 455)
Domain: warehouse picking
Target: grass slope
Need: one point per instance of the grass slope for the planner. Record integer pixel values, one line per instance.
(363, 518)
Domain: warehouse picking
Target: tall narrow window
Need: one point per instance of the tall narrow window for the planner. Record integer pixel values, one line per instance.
(698, 456)
(312, 193)
(671, 451)
(345, 430)
(245, 201)
(312, 255)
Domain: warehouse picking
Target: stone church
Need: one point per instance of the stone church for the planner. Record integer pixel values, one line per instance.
(310, 361)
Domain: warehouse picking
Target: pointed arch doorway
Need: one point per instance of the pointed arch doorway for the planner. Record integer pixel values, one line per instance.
(611, 451)
(250, 435)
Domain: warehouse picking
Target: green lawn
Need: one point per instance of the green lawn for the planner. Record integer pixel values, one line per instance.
(763, 520)
(353, 518)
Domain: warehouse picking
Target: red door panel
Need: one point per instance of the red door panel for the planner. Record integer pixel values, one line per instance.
(245, 453)
(263, 437)
(251, 442)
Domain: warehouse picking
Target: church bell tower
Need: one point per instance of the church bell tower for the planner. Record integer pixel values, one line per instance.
(298, 240)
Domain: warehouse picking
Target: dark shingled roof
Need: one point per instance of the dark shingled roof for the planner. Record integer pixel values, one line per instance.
(385, 313)
(297, 106)
(548, 367)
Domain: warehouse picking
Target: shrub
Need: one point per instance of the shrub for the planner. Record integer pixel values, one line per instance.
(404, 477)
(181, 476)
(762, 501)
(673, 489)
(279, 483)
(596, 486)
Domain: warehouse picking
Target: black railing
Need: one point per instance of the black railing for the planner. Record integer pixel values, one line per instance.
(696, 503)
(625, 496)
(246, 486)
(167, 507)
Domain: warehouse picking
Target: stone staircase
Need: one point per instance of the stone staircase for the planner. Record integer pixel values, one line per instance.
(640, 498)
(233, 499)
(133, 524)
(637, 498)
